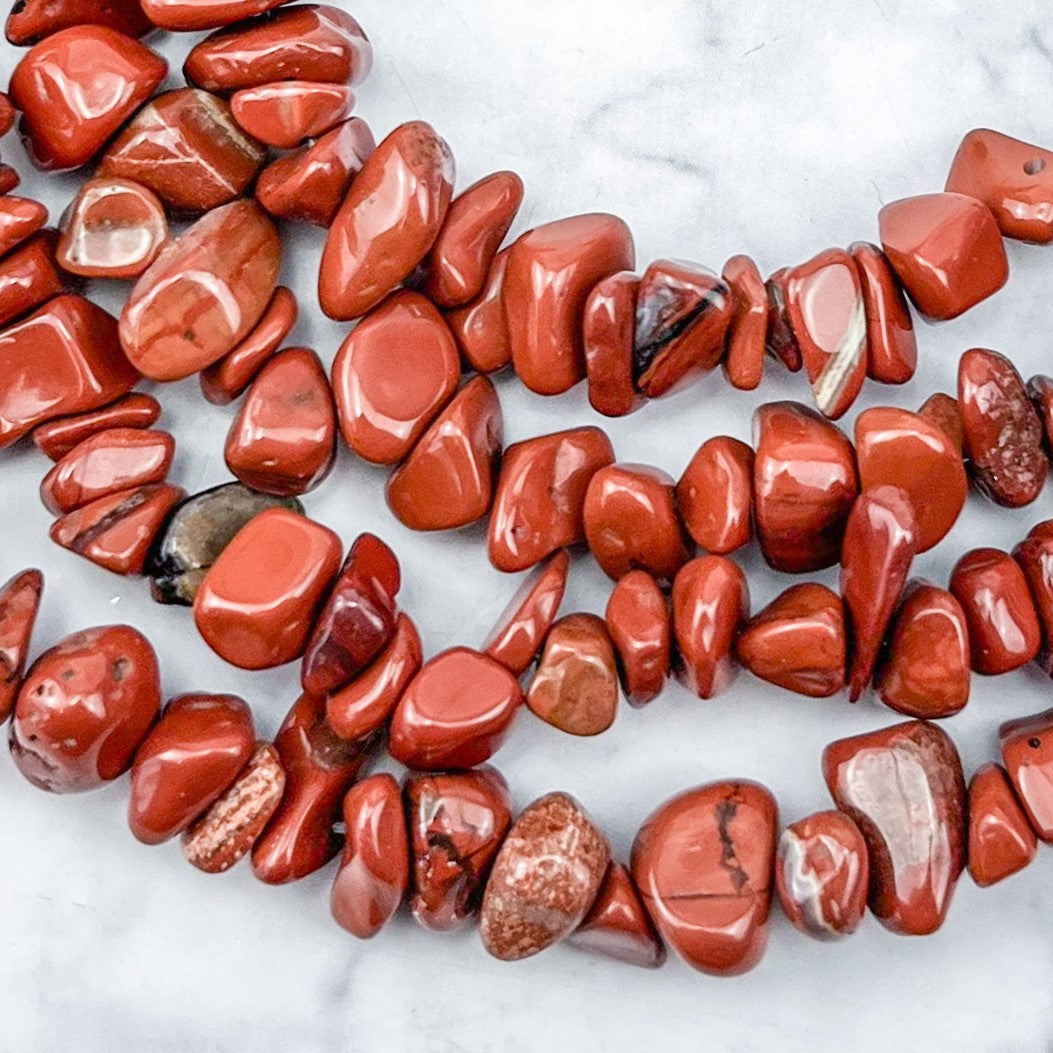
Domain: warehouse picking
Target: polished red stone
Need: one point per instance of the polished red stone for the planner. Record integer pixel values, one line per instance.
(1012, 178)
(283, 440)
(19, 603)
(1002, 432)
(455, 713)
(608, 328)
(258, 601)
(904, 788)
(946, 249)
(319, 769)
(385, 407)
(631, 522)
(703, 864)
(117, 531)
(457, 822)
(480, 326)
(1035, 556)
(1004, 632)
(475, 226)
(710, 600)
(944, 411)
(804, 483)
(310, 184)
(748, 329)
(925, 669)
(1040, 391)
(780, 342)
(1001, 840)
(7, 114)
(307, 42)
(388, 221)
(715, 495)
(192, 755)
(1027, 753)
(32, 20)
(287, 112)
(448, 478)
(204, 293)
(540, 498)
(186, 15)
(58, 437)
(798, 641)
(187, 148)
(546, 876)
(76, 88)
(108, 461)
(20, 218)
(821, 875)
(640, 628)
(517, 637)
(374, 871)
(881, 541)
(892, 350)
(29, 276)
(363, 705)
(225, 380)
(550, 272)
(83, 708)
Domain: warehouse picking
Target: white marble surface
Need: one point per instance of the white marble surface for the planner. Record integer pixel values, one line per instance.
(775, 128)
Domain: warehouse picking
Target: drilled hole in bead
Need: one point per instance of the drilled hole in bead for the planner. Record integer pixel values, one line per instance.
(1034, 165)
(1034, 743)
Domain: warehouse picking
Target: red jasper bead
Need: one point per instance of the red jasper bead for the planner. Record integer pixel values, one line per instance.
(1001, 840)
(608, 329)
(29, 276)
(1035, 556)
(480, 326)
(640, 628)
(287, 112)
(715, 495)
(892, 350)
(780, 341)
(20, 218)
(19, 603)
(748, 329)
(32, 20)
(58, 437)
(187, 15)
(1027, 753)
(944, 412)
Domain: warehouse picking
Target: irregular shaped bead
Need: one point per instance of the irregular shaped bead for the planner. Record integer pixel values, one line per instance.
(748, 329)
(287, 112)
(116, 532)
(310, 184)
(197, 302)
(84, 707)
(540, 497)
(903, 786)
(76, 88)
(58, 437)
(20, 218)
(1001, 840)
(780, 341)
(1040, 391)
(374, 871)
(283, 440)
(447, 480)
(550, 272)
(1035, 556)
(19, 603)
(946, 250)
(517, 637)
(457, 822)
(455, 713)
(388, 221)
(480, 326)
(357, 620)
(710, 601)
(29, 276)
(1012, 178)
(925, 671)
(192, 755)
(1027, 753)
(630, 521)
(546, 876)
(715, 495)
(892, 351)
(363, 705)
(640, 627)
(384, 408)
(608, 328)
(7, 114)
(9, 178)
(198, 531)
(804, 483)
(187, 148)
(1004, 633)
(220, 836)
(821, 875)
(32, 20)
(257, 603)
(1001, 430)
(68, 360)
(475, 226)
(798, 641)
(575, 685)
(108, 461)
(703, 864)
(188, 15)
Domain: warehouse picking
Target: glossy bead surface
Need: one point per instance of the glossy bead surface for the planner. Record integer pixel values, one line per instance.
(1035, 556)
(58, 437)
(187, 15)
(608, 328)
(29, 276)
(715, 495)
(944, 411)
(20, 218)
(748, 329)
(1027, 753)
(19, 603)
(32, 20)
(1001, 840)
(287, 112)
(640, 627)
(480, 326)
(892, 350)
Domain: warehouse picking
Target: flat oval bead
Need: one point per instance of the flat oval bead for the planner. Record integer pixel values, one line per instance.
(287, 112)
(29, 276)
(608, 327)
(19, 604)
(191, 756)
(640, 628)
(903, 786)
(455, 713)
(944, 412)
(703, 863)
(1027, 753)
(748, 329)
(20, 218)
(715, 495)
(540, 497)
(546, 876)
(550, 272)
(83, 708)
(892, 350)
(388, 221)
(480, 326)
(188, 15)
(32, 20)
(257, 603)
(1001, 840)
(196, 303)
(283, 440)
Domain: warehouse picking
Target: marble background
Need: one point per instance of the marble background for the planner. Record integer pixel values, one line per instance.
(775, 128)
